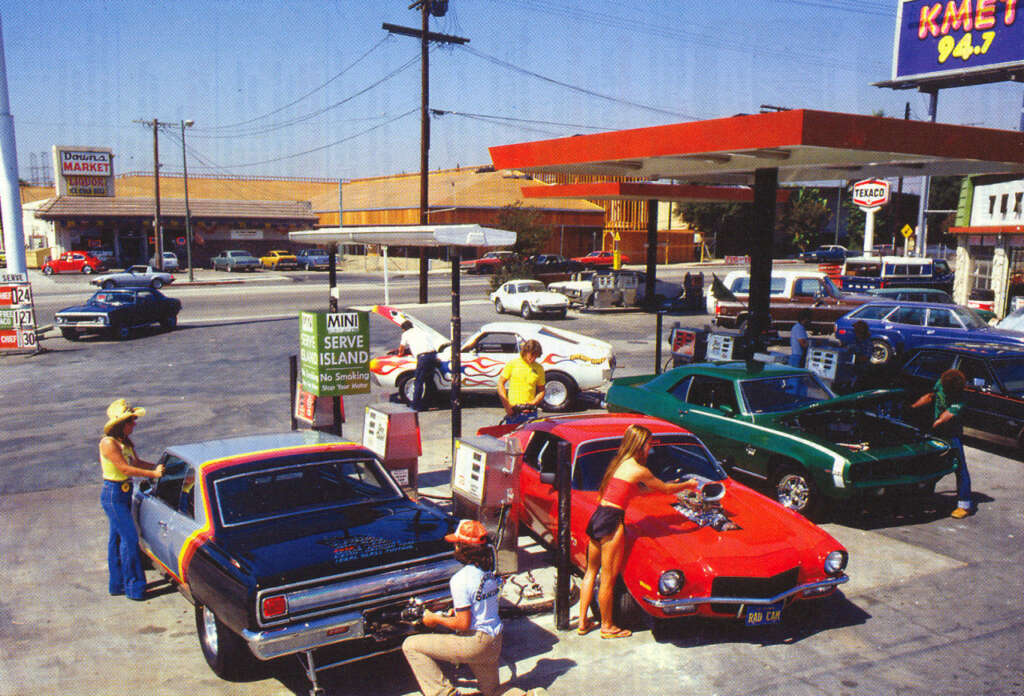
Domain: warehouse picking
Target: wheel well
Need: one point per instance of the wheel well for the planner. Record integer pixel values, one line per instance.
(564, 375)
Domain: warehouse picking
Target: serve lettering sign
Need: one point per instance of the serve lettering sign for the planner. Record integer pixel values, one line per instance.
(870, 193)
(334, 352)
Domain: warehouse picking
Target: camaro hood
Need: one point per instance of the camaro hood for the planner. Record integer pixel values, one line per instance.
(850, 401)
(337, 541)
(398, 317)
(89, 307)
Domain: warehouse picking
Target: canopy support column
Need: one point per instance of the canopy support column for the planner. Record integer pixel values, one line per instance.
(652, 252)
(766, 183)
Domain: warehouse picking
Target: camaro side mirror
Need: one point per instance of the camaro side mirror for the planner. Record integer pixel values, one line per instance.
(547, 477)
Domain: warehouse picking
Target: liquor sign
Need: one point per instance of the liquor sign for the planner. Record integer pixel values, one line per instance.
(957, 38)
(334, 352)
(871, 193)
(17, 314)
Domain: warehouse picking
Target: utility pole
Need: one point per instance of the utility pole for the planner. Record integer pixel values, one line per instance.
(158, 236)
(188, 217)
(438, 8)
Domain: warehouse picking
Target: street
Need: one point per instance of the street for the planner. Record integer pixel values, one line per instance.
(932, 606)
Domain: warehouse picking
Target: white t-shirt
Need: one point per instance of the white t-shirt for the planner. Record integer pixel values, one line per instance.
(417, 341)
(478, 591)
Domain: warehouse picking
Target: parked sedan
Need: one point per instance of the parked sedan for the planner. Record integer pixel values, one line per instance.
(933, 295)
(527, 298)
(286, 543)
(828, 253)
(899, 328)
(279, 260)
(994, 395)
(572, 362)
(782, 426)
(116, 313)
(553, 263)
(170, 261)
(488, 263)
(725, 551)
(235, 258)
(599, 259)
(134, 277)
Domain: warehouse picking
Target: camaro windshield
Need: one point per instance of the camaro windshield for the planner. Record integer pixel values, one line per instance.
(671, 457)
(776, 394)
(288, 490)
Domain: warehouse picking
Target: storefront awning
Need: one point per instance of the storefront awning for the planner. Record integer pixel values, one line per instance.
(409, 235)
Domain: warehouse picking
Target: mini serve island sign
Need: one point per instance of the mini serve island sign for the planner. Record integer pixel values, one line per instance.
(334, 352)
(957, 38)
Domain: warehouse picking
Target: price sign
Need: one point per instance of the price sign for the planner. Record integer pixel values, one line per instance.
(17, 314)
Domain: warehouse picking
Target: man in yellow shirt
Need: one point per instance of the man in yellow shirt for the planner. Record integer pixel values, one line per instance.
(521, 385)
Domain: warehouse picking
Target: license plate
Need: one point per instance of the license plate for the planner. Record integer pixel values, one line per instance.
(763, 615)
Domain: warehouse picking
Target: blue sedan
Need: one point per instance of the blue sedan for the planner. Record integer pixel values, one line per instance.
(899, 328)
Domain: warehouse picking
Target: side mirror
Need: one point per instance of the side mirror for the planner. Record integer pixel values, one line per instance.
(547, 477)
(727, 409)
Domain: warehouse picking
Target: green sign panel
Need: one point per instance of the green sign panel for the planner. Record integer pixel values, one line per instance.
(334, 352)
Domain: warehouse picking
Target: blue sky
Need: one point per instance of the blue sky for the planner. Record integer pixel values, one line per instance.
(265, 80)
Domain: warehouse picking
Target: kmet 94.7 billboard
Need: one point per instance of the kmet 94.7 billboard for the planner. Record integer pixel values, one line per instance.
(957, 38)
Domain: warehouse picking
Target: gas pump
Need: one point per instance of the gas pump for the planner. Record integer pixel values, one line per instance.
(485, 487)
(628, 285)
(392, 432)
(604, 290)
(688, 345)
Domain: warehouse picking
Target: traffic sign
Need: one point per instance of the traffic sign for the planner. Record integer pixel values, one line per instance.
(907, 231)
(870, 193)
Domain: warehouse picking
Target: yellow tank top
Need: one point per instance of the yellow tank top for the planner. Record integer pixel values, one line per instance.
(110, 470)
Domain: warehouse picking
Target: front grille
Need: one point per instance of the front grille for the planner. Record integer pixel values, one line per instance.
(759, 588)
(897, 468)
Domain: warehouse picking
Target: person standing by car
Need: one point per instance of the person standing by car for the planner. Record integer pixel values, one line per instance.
(119, 463)
(521, 384)
(861, 350)
(416, 342)
(798, 340)
(947, 404)
(474, 620)
(627, 476)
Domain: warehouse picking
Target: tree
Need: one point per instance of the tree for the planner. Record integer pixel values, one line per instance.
(531, 236)
(801, 222)
(726, 224)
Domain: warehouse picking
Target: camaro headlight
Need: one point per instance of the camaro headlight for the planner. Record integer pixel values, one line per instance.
(835, 562)
(670, 582)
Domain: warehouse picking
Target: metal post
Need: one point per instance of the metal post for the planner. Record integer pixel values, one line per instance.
(188, 217)
(926, 184)
(657, 342)
(766, 183)
(158, 238)
(10, 193)
(293, 381)
(332, 277)
(424, 137)
(564, 567)
(456, 352)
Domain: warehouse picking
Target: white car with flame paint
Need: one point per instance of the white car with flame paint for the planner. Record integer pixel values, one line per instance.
(572, 362)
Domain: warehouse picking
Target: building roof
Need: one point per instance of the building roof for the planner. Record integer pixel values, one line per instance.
(802, 145)
(448, 188)
(87, 206)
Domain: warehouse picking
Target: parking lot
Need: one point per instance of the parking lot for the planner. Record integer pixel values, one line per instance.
(932, 605)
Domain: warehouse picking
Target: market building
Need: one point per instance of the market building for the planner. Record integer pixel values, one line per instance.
(990, 241)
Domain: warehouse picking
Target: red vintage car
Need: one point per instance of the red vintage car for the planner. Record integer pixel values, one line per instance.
(73, 262)
(600, 259)
(726, 552)
(489, 262)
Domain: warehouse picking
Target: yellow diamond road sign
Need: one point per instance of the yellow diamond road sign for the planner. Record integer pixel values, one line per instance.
(907, 231)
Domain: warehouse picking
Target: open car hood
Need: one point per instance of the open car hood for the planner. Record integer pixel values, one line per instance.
(398, 317)
(848, 401)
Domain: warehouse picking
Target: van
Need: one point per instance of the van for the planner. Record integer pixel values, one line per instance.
(869, 272)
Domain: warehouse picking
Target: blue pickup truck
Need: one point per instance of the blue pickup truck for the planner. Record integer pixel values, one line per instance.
(313, 259)
(866, 273)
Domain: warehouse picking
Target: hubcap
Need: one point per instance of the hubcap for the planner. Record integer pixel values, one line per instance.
(793, 492)
(555, 394)
(210, 631)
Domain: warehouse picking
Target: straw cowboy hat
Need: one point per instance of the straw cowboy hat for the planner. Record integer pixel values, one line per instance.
(120, 411)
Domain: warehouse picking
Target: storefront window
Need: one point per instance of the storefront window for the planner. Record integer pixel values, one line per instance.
(981, 265)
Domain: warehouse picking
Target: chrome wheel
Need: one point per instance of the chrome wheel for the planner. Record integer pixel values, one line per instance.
(793, 491)
(209, 636)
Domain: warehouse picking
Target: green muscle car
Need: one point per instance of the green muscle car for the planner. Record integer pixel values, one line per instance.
(782, 426)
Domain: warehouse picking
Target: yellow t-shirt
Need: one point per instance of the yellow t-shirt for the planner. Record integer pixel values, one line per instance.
(523, 380)
(110, 470)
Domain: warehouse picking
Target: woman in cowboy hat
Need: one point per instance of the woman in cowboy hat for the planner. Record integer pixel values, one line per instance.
(119, 463)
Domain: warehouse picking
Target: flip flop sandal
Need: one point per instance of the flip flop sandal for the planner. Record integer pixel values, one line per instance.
(617, 633)
(584, 630)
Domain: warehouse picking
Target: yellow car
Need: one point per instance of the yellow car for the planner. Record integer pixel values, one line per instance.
(278, 259)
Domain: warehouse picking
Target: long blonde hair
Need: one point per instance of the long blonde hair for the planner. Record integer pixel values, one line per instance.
(633, 445)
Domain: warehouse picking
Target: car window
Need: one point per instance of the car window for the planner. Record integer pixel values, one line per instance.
(968, 317)
(511, 289)
(532, 287)
(940, 267)
(145, 295)
(497, 342)
(1010, 372)
(911, 316)
(711, 392)
(929, 364)
(114, 298)
(866, 270)
(680, 390)
(542, 452)
(297, 488)
(168, 487)
(807, 287)
(742, 285)
(975, 369)
(871, 311)
(773, 394)
(670, 458)
(943, 318)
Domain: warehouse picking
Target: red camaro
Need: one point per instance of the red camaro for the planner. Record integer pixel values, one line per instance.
(726, 551)
(600, 259)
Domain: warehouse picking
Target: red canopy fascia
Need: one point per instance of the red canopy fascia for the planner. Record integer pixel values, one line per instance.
(988, 229)
(641, 191)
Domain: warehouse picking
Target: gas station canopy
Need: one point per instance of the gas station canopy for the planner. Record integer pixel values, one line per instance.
(802, 145)
(409, 235)
(645, 191)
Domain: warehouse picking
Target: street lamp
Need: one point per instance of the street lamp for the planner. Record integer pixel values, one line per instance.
(188, 220)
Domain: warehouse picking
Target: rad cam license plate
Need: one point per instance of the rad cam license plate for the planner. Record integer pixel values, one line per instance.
(764, 615)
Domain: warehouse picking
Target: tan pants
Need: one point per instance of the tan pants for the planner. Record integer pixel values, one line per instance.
(480, 651)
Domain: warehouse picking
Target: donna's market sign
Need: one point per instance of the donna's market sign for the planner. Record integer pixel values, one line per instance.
(334, 353)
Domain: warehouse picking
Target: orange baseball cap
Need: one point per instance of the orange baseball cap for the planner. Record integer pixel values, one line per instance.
(468, 532)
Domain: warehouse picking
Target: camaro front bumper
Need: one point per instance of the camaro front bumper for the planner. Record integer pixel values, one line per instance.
(688, 605)
(317, 633)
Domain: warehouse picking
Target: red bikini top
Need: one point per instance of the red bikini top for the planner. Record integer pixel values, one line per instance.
(619, 492)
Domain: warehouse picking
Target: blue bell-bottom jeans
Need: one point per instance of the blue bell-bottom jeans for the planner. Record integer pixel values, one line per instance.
(963, 476)
(123, 562)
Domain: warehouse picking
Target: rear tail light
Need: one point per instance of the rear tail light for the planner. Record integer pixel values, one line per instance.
(882, 284)
(718, 309)
(274, 606)
(840, 332)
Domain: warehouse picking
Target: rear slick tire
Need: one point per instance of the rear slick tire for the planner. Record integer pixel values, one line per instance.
(226, 653)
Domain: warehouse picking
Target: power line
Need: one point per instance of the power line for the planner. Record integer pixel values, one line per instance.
(494, 118)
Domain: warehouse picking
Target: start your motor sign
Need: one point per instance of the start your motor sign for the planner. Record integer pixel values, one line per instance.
(334, 352)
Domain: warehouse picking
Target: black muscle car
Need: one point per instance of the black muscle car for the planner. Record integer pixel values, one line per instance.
(116, 313)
